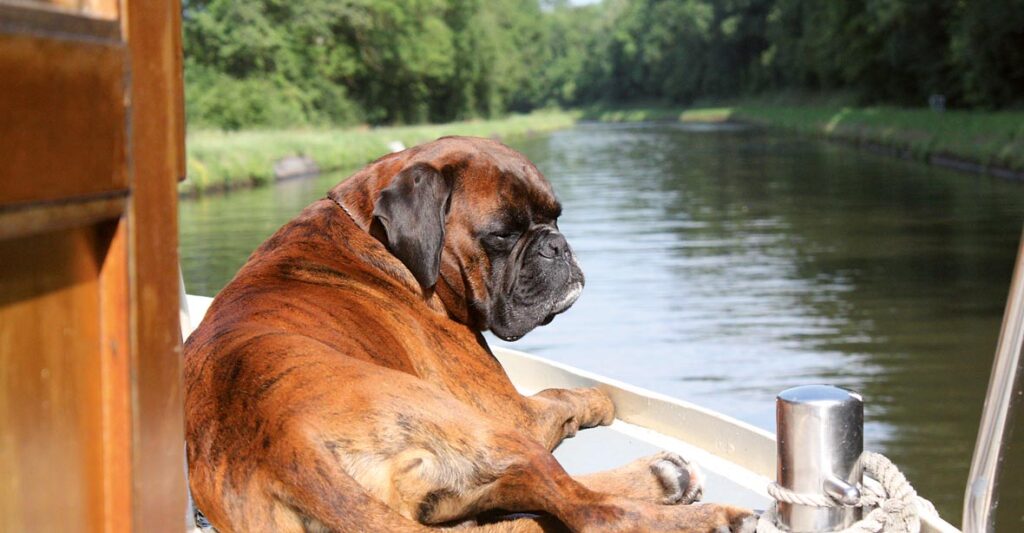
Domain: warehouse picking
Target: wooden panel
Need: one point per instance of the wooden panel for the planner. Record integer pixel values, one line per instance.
(20, 219)
(159, 500)
(63, 126)
(115, 370)
(176, 88)
(91, 426)
(50, 390)
(25, 19)
(93, 8)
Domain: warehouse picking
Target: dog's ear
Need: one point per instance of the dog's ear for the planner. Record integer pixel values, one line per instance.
(409, 219)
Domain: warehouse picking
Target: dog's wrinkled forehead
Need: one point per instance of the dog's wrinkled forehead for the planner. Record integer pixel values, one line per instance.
(488, 170)
(522, 194)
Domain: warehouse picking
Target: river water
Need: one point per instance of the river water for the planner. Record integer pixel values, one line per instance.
(725, 264)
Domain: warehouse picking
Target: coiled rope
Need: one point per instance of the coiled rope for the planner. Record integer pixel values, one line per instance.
(895, 505)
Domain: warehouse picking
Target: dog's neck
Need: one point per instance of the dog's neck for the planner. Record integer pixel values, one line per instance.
(361, 217)
(341, 204)
(356, 197)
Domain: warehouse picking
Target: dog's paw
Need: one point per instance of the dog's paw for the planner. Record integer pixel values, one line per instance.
(700, 517)
(599, 409)
(740, 524)
(682, 481)
(740, 521)
(747, 524)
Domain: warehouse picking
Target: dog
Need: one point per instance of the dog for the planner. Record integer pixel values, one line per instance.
(341, 381)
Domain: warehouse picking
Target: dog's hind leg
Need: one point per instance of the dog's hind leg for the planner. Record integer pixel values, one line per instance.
(527, 479)
(518, 523)
(666, 478)
(536, 481)
(355, 456)
(327, 499)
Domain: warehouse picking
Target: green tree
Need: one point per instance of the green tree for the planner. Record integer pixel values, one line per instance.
(988, 48)
(274, 63)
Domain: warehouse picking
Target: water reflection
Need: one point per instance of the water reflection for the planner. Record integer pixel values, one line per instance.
(724, 265)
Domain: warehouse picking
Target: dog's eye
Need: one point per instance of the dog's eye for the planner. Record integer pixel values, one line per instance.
(502, 239)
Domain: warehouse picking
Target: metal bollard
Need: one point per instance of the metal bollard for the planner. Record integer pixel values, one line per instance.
(820, 441)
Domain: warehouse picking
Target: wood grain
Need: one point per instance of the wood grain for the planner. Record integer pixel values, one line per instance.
(63, 119)
(158, 458)
(51, 448)
(115, 376)
(28, 18)
(90, 369)
(18, 220)
(92, 8)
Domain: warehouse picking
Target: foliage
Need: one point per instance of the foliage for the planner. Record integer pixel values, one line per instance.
(894, 52)
(270, 63)
(273, 63)
(988, 47)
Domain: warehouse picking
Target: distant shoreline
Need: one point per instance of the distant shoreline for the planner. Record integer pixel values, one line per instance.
(219, 161)
(978, 142)
(990, 143)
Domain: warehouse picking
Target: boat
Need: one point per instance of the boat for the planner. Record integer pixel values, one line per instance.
(739, 460)
(91, 407)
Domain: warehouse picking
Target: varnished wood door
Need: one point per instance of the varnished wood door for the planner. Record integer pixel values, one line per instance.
(91, 146)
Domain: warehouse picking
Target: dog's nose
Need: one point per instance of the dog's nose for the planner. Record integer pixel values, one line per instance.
(554, 247)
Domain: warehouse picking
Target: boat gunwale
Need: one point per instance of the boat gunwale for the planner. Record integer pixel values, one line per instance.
(738, 442)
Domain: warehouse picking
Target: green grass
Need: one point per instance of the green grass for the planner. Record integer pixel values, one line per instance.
(631, 113)
(654, 112)
(990, 139)
(221, 160)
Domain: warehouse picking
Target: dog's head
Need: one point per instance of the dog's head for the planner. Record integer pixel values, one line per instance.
(475, 221)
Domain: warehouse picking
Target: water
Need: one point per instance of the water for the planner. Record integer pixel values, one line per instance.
(726, 264)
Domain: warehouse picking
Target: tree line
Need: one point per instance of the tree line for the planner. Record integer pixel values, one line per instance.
(276, 63)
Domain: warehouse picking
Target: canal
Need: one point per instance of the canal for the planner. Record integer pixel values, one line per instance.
(725, 264)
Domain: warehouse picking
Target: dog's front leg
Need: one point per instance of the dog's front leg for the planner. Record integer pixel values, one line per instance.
(664, 478)
(560, 413)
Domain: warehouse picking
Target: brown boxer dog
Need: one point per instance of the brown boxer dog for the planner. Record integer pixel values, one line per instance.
(340, 382)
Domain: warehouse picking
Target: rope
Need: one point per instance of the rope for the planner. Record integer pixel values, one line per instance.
(895, 505)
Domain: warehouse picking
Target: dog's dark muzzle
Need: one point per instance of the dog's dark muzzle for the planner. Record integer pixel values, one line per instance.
(548, 281)
(554, 247)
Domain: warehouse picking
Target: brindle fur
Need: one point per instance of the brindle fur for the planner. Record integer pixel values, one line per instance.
(327, 390)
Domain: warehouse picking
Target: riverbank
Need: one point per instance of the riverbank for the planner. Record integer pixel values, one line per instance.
(980, 142)
(973, 141)
(220, 160)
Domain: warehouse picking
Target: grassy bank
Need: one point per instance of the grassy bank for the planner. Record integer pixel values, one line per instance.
(973, 140)
(970, 140)
(223, 160)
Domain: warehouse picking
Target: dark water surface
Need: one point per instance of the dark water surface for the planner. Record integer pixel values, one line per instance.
(724, 265)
